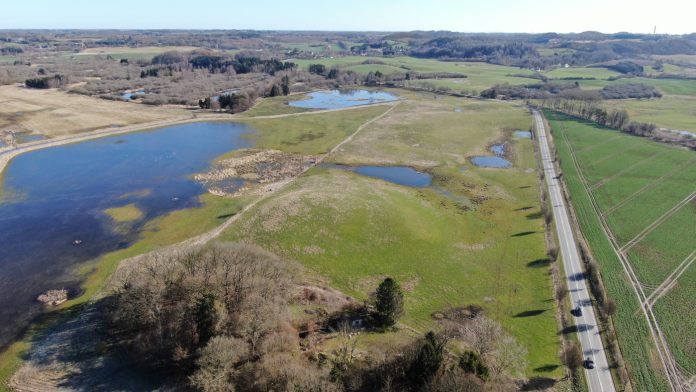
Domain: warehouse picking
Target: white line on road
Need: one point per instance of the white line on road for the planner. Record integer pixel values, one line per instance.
(599, 379)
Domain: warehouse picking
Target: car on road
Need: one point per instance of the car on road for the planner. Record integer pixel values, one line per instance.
(588, 364)
(577, 312)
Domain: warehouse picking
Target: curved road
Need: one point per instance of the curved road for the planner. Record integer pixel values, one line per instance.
(599, 379)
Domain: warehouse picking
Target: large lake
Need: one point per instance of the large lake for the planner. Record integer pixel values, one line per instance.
(337, 99)
(53, 200)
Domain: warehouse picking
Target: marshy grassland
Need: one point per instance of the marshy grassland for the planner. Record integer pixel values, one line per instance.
(475, 237)
(127, 213)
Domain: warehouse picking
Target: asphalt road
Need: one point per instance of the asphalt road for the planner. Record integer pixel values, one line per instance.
(599, 378)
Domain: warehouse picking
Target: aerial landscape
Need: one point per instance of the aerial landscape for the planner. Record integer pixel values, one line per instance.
(396, 196)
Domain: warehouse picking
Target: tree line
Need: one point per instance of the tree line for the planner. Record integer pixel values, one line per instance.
(592, 111)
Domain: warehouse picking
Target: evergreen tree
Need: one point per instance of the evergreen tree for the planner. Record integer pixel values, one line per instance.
(388, 303)
(275, 91)
(286, 85)
(429, 359)
(206, 317)
(472, 364)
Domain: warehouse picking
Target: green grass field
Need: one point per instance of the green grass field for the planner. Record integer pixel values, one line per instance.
(310, 134)
(480, 76)
(355, 230)
(670, 111)
(666, 86)
(635, 181)
(581, 72)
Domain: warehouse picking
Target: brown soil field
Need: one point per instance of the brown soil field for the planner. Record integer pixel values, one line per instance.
(56, 113)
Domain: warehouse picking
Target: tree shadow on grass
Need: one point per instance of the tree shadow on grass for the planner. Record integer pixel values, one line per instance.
(546, 368)
(538, 384)
(523, 233)
(539, 263)
(524, 208)
(535, 215)
(530, 313)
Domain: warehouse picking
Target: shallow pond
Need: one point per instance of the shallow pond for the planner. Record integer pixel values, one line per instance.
(494, 162)
(28, 137)
(523, 134)
(400, 175)
(127, 96)
(336, 99)
(52, 206)
(498, 161)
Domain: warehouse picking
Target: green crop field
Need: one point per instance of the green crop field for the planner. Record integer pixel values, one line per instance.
(636, 183)
(475, 237)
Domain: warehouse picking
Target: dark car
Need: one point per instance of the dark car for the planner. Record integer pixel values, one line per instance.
(577, 312)
(588, 364)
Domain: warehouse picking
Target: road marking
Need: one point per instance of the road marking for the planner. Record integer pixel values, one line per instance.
(600, 380)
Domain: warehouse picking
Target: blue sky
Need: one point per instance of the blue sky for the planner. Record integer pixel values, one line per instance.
(670, 16)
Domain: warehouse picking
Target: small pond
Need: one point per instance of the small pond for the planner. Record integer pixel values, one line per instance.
(523, 134)
(336, 99)
(127, 96)
(53, 202)
(400, 175)
(226, 92)
(497, 161)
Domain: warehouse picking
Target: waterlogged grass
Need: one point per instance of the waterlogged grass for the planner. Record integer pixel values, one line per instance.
(170, 229)
(428, 130)
(632, 329)
(276, 106)
(355, 230)
(127, 213)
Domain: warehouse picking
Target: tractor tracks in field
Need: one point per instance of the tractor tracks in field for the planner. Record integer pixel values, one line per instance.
(672, 372)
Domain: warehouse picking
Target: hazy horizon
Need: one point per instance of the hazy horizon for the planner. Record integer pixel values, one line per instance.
(494, 16)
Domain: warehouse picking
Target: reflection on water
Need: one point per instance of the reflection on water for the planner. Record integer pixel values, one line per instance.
(496, 161)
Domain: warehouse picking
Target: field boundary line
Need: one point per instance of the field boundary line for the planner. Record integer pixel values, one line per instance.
(640, 236)
(588, 148)
(604, 180)
(669, 364)
(646, 188)
(610, 156)
(671, 280)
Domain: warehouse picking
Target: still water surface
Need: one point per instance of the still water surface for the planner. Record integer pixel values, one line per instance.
(52, 203)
